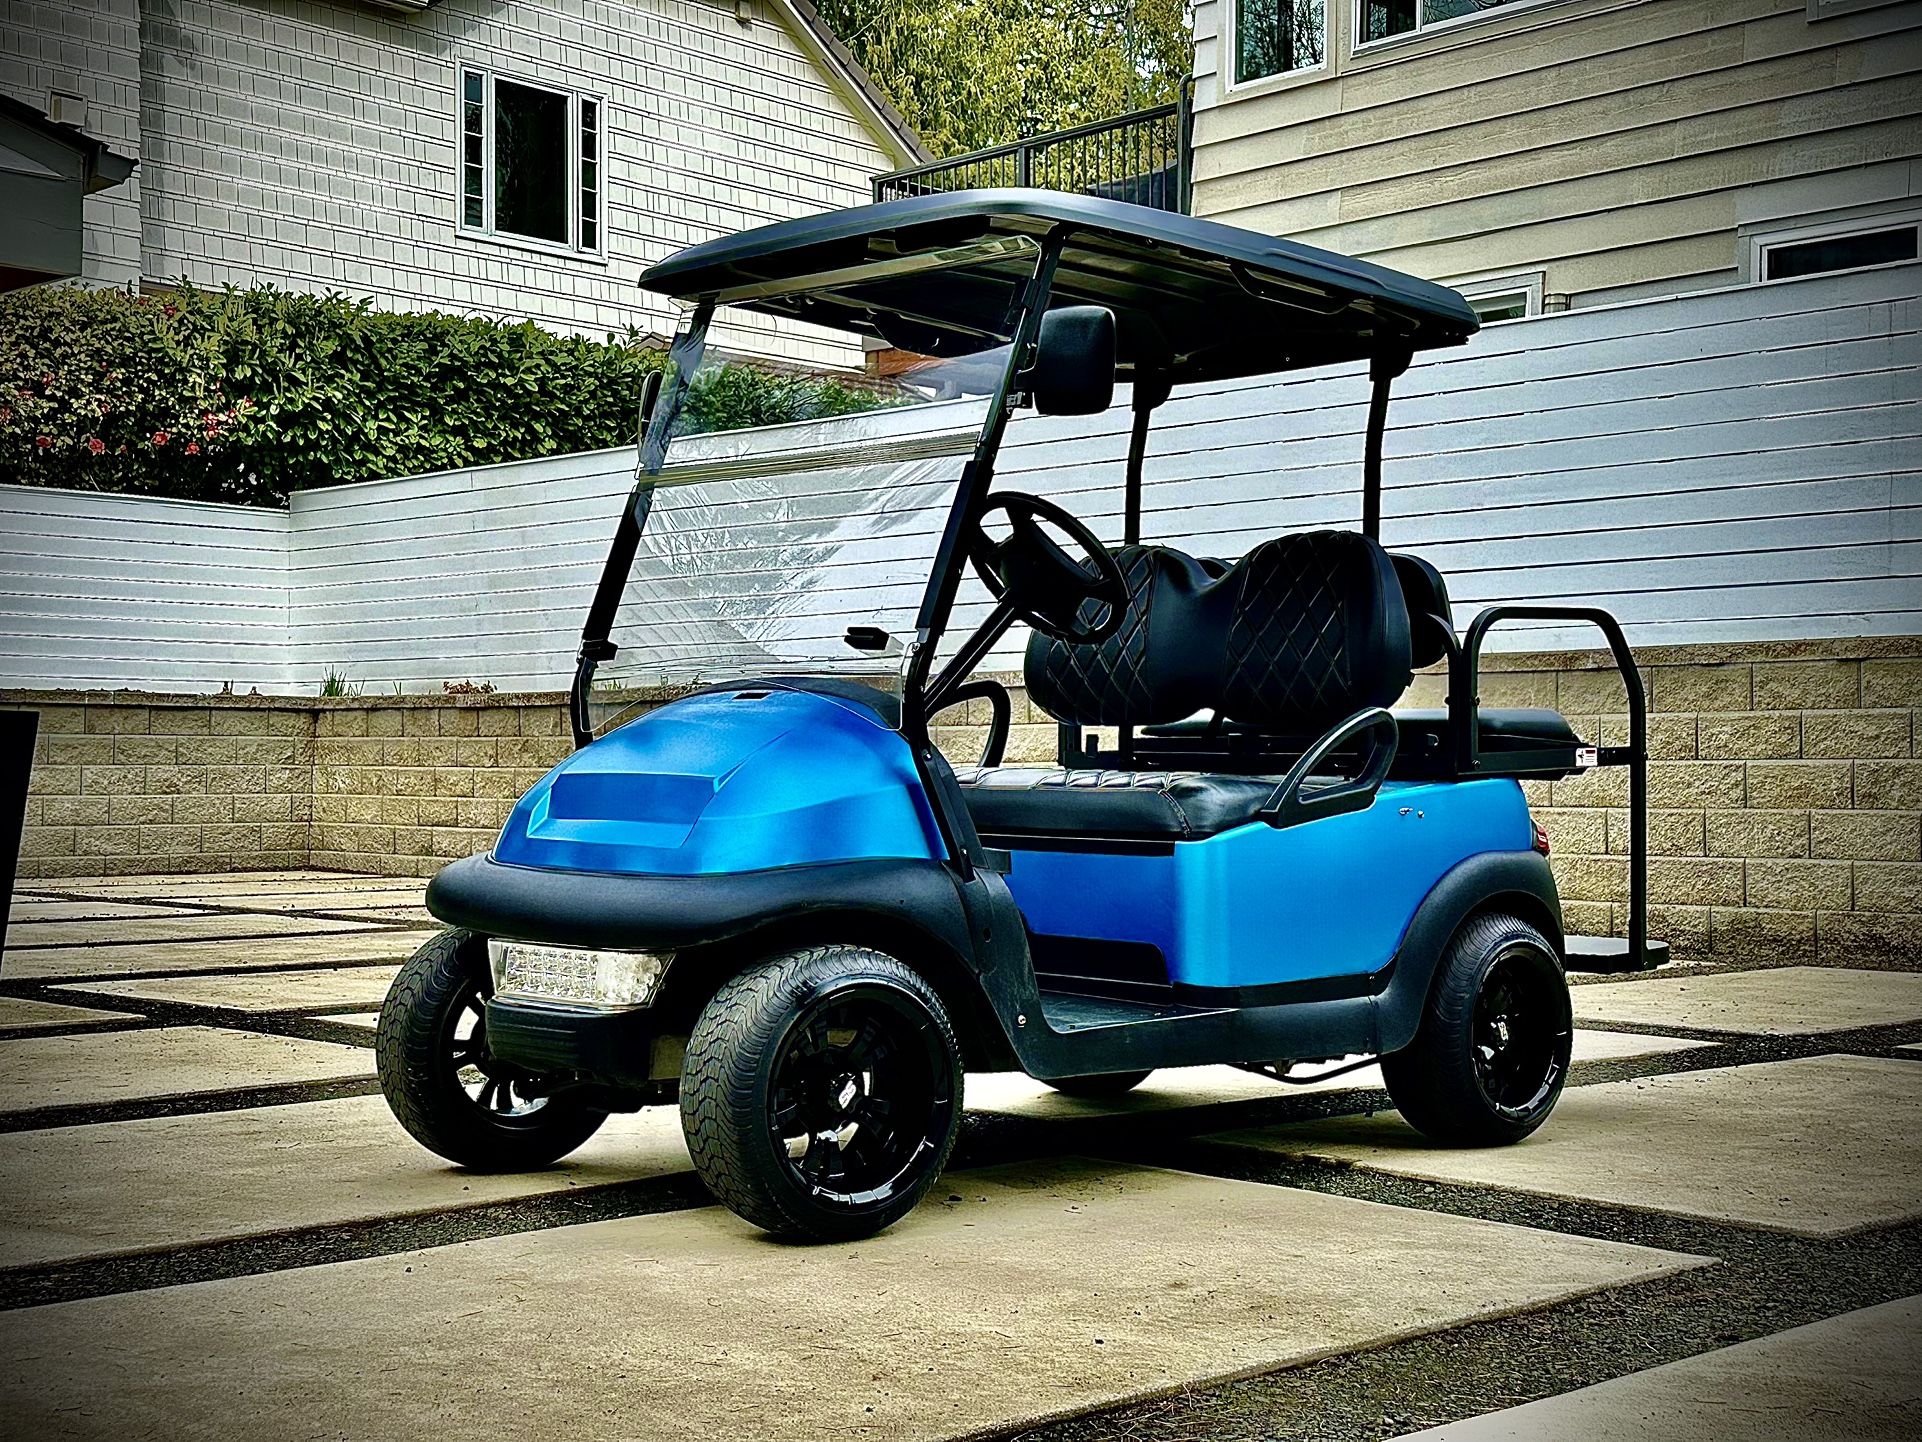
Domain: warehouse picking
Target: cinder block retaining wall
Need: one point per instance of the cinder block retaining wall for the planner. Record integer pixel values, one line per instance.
(1786, 786)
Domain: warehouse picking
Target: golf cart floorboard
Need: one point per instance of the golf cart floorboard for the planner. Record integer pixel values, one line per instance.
(1071, 1011)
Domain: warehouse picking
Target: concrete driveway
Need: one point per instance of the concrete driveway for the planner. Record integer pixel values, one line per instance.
(213, 1228)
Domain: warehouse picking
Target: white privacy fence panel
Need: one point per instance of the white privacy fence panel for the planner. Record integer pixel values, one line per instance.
(1740, 464)
(128, 591)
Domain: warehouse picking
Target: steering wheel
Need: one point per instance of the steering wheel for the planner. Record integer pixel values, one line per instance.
(1040, 581)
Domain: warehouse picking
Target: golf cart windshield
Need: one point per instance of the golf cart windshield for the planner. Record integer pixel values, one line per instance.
(758, 561)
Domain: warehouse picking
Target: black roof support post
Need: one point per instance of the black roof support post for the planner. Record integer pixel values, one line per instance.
(1150, 390)
(1382, 370)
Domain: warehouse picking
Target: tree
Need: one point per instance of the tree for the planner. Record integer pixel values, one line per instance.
(974, 73)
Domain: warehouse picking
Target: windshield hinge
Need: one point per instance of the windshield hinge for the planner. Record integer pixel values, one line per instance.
(598, 650)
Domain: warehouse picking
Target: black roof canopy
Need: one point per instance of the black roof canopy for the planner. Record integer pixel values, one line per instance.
(1193, 299)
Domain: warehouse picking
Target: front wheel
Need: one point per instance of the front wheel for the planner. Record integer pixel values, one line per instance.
(1490, 1058)
(821, 1092)
(444, 1085)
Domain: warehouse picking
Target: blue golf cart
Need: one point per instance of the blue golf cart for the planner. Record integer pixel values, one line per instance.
(759, 887)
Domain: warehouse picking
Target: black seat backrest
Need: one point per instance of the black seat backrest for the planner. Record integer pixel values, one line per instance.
(1426, 593)
(1300, 633)
(1153, 667)
(1319, 631)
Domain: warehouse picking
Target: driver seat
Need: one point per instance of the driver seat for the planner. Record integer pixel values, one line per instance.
(1296, 636)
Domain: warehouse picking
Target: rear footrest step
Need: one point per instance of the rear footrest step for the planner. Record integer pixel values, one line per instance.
(1611, 953)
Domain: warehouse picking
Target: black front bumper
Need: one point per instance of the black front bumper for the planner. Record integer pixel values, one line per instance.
(673, 913)
(615, 1048)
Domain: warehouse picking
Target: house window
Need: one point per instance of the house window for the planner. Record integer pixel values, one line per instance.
(1839, 250)
(1273, 37)
(1503, 297)
(1381, 19)
(531, 162)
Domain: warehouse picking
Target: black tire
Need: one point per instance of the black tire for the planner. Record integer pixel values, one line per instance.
(1105, 1084)
(833, 1034)
(1491, 1056)
(451, 1095)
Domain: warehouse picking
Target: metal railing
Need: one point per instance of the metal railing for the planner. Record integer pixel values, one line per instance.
(1141, 157)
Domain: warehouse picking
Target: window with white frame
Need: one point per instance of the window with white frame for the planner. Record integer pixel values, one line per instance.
(1836, 245)
(1381, 19)
(531, 162)
(1274, 37)
(1503, 297)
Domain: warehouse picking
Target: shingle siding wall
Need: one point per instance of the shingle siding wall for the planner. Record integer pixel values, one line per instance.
(89, 48)
(313, 145)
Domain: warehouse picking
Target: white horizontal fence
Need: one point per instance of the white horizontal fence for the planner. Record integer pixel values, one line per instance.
(1743, 464)
(100, 591)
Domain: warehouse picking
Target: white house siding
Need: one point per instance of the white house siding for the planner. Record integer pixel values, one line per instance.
(89, 48)
(1622, 147)
(1739, 465)
(314, 146)
(100, 591)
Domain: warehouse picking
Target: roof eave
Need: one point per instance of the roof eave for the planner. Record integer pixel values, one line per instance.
(814, 32)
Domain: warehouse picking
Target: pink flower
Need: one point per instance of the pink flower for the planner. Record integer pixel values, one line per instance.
(193, 448)
(6, 414)
(160, 438)
(96, 445)
(44, 442)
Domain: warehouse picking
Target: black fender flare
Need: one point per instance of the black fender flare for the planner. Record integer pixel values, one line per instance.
(1492, 880)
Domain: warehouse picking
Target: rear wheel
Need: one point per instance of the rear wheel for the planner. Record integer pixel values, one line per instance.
(821, 1093)
(1491, 1056)
(450, 1092)
(1105, 1084)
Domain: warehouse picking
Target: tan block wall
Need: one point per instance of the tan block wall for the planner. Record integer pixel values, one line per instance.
(1785, 784)
(404, 789)
(156, 784)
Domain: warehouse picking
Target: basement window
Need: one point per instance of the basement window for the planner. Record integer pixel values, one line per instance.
(1505, 297)
(1385, 19)
(1276, 37)
(531, 159)
(1788, 258)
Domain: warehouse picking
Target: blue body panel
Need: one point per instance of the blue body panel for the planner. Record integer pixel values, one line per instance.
(728, 781)
(1256, 907)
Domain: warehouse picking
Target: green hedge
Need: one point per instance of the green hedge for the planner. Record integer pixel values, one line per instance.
(246, 395)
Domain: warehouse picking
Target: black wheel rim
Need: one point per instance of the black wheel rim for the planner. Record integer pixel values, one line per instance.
(499, 1091)
(861, 1098)
(1521, 1033)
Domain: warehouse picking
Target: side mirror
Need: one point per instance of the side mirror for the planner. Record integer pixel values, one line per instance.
(1073, 371)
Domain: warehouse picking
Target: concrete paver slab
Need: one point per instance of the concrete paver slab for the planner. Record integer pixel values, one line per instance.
(1849, 1379)
(20, 1012)
(33, 909)
(163, 1182)
(155, 958)
(1046, 1289)
(1781, 1001)
(365, 1020)
(1019, 1095)
(260, 990)
(180, 926)
(1819, 1146)
(229, 883)
(55, 1071)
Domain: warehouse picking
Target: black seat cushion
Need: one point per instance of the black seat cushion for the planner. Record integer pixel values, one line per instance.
(1157, 805)
(1500, 726)
(1296, 636)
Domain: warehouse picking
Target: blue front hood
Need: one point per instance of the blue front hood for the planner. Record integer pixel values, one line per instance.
(731, 780)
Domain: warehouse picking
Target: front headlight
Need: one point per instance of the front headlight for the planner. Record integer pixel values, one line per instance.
(571, 975)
